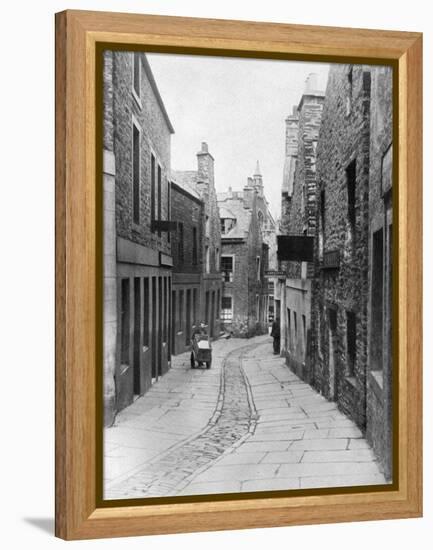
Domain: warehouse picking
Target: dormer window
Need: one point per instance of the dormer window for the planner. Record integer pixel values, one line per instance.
(227, 225)
(260, 218)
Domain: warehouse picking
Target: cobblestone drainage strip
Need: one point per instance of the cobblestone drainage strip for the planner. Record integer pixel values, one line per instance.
(232, 422)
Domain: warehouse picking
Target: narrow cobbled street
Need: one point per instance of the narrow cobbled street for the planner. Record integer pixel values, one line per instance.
(247, 424)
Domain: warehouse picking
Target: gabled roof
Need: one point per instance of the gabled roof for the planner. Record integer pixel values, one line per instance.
(226, 213)
(154, 86)
(237, 210)
(187, 180)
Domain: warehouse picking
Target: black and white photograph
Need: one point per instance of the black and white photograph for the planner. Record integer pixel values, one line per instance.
(247, 276)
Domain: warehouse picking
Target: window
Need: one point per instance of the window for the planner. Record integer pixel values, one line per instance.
(180, 242)
(289, 327)
(295, 324)
(195, 305)
(135, 174)
(181, 309)
(137, 327)
(227, 268)
(164, 330)
(332, 317)
(146, 311)
(258, 267)
(322, 223)
(168, 207)
(124, 322)
(217, 259)
(207, 226)
(351, 201)
(304, 333)
(194, 246)
(226, 308)
(227, 224)
(159, 196)
(207, 307)
(386, 171)
(152, 188)
(207, 257)
(351, 342)
(160, 320)
(173, 318)
(188, 317)
(136, 73)
(314, 144)
(260, 219)
(303, 197)
(218, 304)
(377, 302)
(154, 350)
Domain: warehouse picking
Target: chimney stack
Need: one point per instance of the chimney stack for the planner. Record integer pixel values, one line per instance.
(205, 165)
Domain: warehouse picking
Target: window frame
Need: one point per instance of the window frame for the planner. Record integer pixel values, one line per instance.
(136, 125)
(233, 258)
(223, 315)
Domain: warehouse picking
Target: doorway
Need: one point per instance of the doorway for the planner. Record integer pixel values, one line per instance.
(332, 349)
(137, 335)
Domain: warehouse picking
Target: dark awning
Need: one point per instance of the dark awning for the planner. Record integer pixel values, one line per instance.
(295, 248)
(163, 225)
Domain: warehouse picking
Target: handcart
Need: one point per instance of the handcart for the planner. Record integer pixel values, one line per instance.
(201, 349)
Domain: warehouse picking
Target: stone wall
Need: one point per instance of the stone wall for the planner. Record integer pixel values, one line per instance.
(137, 261)
(248, 290)
(206, 189)
(303, 204)
(202, 182)
(109, 244)
(189, 211)
(154, 139)
(340, 287)
(379, 382)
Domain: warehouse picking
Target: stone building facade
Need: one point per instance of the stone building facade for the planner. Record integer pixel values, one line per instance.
(137, 253)
(202, 182)
(379, 378)
(299, 206)
(187, 210)
(291, 155)
(340, 286)
(244, 258)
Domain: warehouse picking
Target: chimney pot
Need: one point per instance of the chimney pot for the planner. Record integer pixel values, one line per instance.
(204, 147)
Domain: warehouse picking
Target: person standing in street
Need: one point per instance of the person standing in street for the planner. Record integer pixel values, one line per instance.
(275, 333)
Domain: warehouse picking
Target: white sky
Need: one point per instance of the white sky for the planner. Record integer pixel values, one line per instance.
(238, 106)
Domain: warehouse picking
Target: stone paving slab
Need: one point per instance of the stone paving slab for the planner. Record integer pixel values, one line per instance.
(248, 424)
(207, 435)
(311, 443)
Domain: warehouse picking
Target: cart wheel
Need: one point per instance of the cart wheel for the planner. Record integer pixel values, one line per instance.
(208, 364)
(192, 361)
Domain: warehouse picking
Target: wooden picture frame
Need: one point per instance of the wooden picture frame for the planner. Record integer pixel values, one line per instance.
(79, 34)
